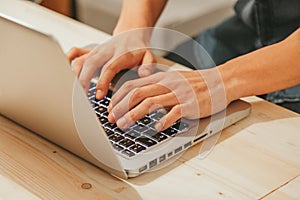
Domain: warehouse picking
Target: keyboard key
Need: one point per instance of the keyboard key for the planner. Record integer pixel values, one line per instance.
(103, 120)
(110, 125)
(146, 141)
(159, 137)
(126, 142)
(133, 125)
(117, 130)
(97, 102)
(94, 102)
(181, 126)
(93, 85)
(176, 125)
(137, 148)
(91, 92)
(105, 102)
(98, 114)
(116, 137)
(140, 128)
(128, 153)
(150, 132)
(102, 109)
(170, 132)
(157, 115)
(94, 106)
(132, 134)
(117, 147)
(108, 132)
(145, 120)
(105, 114)
(152, 125)
(91, 97)
(109, 94)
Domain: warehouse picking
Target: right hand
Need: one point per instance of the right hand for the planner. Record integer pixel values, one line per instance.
(190, 94)
(124, 51)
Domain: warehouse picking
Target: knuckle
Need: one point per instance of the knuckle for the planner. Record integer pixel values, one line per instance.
(177, 110)
(133, 116)
(149, 102)
(116, 110)
(110, 69)
(128, 85)
(138, 93)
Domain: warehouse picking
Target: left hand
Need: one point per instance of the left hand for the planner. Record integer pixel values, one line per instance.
(190, 94)
(127, 50)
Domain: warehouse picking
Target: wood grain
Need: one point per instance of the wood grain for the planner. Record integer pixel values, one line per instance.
(256, 158)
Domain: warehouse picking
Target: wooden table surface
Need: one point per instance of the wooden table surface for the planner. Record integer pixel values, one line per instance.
(256, 158)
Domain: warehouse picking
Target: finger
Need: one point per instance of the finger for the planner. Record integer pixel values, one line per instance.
(77, 65)
(147, 106)
(171, 117)
(90, 66)
(75, 52)
(109, 71)
(148, 64)
(134, 98)
(129, 86)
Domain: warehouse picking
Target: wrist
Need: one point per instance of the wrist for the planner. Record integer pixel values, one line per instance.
(139, 14)
(231, 82)
(127, 26)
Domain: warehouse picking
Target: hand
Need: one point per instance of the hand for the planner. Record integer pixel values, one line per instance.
(124, 51)
(190, 94)
(78, 55)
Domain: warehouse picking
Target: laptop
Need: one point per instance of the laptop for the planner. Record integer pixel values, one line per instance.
(39, 91)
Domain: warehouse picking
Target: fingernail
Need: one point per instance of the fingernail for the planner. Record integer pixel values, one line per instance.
(111, 118)
(158, 126)
(121, 123)
(99, 94)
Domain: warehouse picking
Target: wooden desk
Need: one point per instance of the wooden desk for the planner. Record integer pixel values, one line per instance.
(257, 158)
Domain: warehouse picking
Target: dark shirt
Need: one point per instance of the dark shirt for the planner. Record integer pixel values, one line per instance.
(272, 20)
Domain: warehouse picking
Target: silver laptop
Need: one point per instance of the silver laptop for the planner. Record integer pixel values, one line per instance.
(39, 91)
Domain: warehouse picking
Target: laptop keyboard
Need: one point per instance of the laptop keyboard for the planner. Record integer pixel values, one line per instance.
(137, 138)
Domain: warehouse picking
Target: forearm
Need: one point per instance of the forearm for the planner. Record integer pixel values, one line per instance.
(263, 71)
(139, 14)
